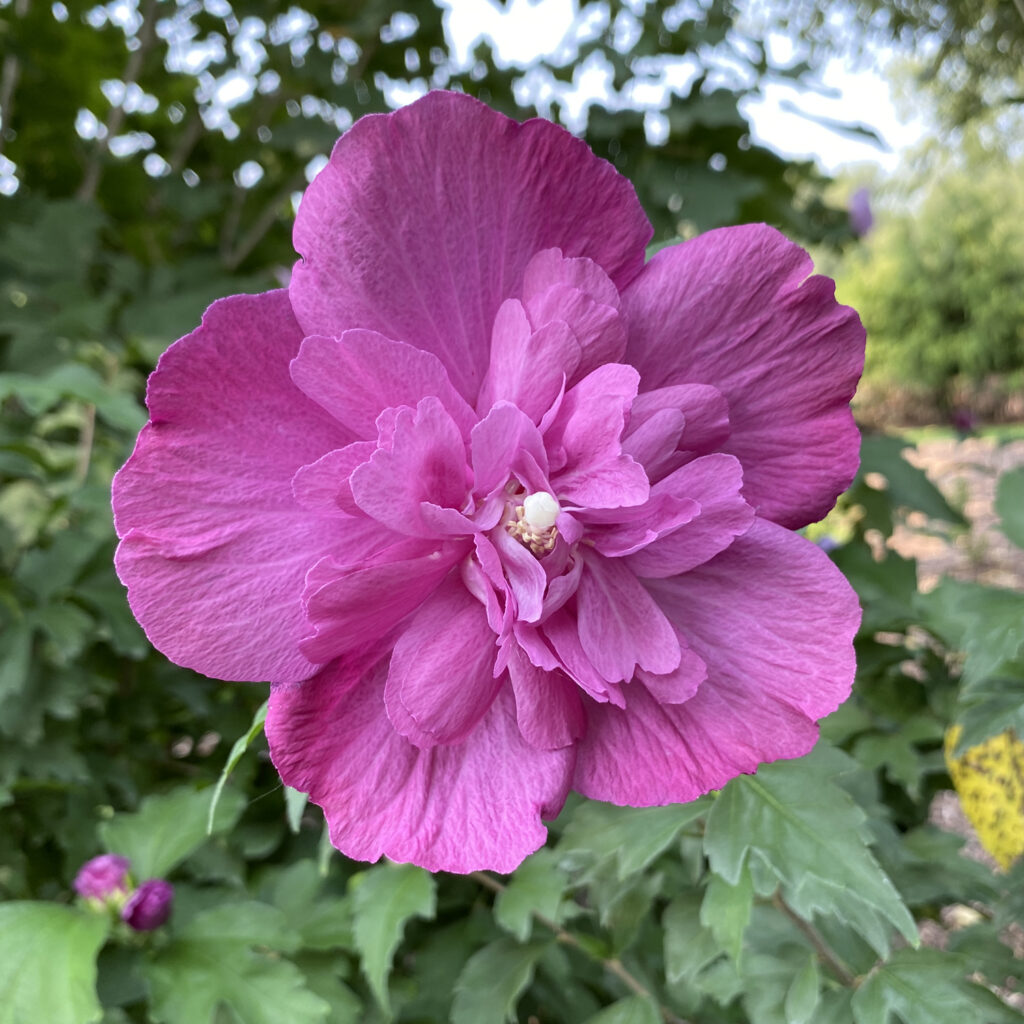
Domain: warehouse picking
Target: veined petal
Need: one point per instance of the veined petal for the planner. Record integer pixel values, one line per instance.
(548, 705)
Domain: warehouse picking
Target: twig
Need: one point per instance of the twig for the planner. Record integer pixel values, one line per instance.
(115, 119)
(263, 223)
(612, 965)
(9, 74)
(1019, 4)
(826, 955)
(85, 441)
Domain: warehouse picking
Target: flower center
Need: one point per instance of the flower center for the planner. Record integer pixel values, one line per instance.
(534, 522)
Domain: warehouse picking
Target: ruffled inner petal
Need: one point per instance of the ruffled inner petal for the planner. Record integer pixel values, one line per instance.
(715, 482)
(528, 367)
(424, 463)
(440, 682)
(356, 376)
(620, 625)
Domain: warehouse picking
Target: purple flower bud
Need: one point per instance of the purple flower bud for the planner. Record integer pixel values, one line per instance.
(861, 217)
(149, 906)
(103, 877)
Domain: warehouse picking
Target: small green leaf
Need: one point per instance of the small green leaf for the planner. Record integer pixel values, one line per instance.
(383, 899)
(634, 1010)
(48, 964)
(689, 946)
(634, 836)
(167, 829)
(537, 886)
(493, 980)
(927, 986)
(725, 911)
(241, 745)
(1010, 505)
(803, 995)
(908, 486)
(813, 837)
(294, 804)
(211, 963)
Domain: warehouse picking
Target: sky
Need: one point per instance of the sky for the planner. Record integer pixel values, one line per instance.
(848, 95)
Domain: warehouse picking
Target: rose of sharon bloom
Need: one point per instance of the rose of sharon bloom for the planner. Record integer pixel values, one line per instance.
(149, 906)
(103, 877)
(499, 509)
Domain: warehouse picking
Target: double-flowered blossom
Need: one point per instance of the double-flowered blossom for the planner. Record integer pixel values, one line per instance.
(498, 508)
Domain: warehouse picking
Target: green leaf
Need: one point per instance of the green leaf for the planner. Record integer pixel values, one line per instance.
(48, 964)
(634, 1010)
(211, 963)
(725, 911)
(294, 804)
(537, 886)
(167, 829)
(926, 986)
(493, 980)
(1009, 505)
(803, 995)
(383, 899)
(986, 623)
(689, 946)
(633, 836)
(908, 486)
(812, 836)
(241, 745)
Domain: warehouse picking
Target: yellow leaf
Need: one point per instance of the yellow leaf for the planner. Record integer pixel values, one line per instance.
(990, 781)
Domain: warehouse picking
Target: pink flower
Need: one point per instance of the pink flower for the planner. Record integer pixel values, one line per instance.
(103, 877)
(149, 906)
(500, 510)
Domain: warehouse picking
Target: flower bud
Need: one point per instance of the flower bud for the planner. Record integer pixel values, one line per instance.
(103, 877)
(149, 906)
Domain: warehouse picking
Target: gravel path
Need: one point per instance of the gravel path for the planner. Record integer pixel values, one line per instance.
(966, 472)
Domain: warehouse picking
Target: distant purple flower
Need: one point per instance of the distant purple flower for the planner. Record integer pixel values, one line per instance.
(499, 509)
(149, 906)
(103, 877)
(861, 217)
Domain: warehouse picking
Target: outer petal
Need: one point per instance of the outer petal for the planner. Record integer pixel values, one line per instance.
(214, 547)
(736, 308)
(474, 806)
(773, 620)
(425, 219)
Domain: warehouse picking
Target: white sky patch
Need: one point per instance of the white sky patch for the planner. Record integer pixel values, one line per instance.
(526, 29)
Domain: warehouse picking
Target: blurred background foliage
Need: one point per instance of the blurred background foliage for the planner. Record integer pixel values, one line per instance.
(151, 155)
